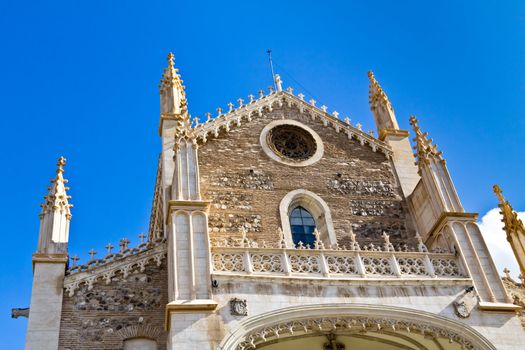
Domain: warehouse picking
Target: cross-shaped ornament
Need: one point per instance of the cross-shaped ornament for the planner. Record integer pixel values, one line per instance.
(241, 101)
(75, 258)
(506, 271)
(208, 116)
(124, 244)
(109, 247)
(251, 97)
(230, 106)
(142, 236)
(92, 253)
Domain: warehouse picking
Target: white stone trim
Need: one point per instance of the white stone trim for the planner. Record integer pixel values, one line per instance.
(316, 206)
(304, 319)
(263, 140)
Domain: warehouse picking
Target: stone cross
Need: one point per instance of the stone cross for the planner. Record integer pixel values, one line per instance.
(196, 121)
(270, 89)
(219, 111)
(506, 271)
(371, 132)
(359, 126)
(312, 102)
(251, 97)
(230, 106)
(75, 258)
(324, 108)
(109, 247)
(92, 253)
(240, 100)
(208, 116)
(301, 96)
(347, 120)
(290, 90)
(123, 244)
(142, 236)
(336, 114)
(261, 93)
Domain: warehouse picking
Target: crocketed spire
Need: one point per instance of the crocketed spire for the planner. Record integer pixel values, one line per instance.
(425, 150)
(57, 199)
(380, 106)
(376, 94)
(510, 218)
(171, 76)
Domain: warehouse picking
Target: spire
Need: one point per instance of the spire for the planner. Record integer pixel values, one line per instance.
(171, 88)
(55, 215)
(510, 218)
(57, 199)
(380, 106)
(425, 150)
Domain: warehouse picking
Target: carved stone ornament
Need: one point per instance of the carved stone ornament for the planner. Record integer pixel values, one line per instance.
(465, 304)
(238, 307)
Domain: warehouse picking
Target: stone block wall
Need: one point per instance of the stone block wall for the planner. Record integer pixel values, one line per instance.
(101, 318)
(246, 186)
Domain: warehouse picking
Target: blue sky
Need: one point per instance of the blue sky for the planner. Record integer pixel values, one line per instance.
(80, 79)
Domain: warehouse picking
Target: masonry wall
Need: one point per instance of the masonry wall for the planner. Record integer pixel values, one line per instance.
(103, 317)
(246, 186)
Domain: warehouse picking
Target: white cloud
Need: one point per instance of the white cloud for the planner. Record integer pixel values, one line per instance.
(492, 230)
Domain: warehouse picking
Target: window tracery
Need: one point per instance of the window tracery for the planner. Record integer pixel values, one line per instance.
(292, 142)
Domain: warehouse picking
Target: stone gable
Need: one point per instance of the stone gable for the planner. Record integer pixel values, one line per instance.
(246, 186)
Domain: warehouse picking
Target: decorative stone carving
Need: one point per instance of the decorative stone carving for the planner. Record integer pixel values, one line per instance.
(466, 303)
(390, 209)
(231, 200)
(292, 142)
(238, 307)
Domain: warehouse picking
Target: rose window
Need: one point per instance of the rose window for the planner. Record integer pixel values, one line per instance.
(292, 142)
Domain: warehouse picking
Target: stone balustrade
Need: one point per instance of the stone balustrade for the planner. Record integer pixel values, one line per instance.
(335, 263)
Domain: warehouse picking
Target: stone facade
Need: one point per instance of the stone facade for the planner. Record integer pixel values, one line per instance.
(103, 317)
(358, 184)
(391, 257)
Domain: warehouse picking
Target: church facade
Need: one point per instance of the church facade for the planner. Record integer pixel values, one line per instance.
(276, 224)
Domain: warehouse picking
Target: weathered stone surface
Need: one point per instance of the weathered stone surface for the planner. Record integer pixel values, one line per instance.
(357, 184)
(93, 319)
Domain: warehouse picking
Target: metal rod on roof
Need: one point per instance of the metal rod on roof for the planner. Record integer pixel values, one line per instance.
(269, 52)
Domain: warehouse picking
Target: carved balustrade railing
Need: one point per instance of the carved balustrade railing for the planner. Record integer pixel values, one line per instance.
(335, 263)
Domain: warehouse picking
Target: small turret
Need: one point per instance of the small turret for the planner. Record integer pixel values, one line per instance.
(380, 106)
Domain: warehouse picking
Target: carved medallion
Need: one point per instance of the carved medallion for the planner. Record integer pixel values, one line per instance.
(238, 307)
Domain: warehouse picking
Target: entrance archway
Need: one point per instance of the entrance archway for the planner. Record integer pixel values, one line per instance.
(352, 326)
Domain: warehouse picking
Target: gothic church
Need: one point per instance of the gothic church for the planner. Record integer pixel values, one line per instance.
(277, 225)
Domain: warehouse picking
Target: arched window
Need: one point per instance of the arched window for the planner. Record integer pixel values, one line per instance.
(302, 225)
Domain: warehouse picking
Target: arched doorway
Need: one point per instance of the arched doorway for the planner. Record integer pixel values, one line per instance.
(352, 327)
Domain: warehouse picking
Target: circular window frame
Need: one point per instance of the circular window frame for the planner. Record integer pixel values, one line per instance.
(268, 149)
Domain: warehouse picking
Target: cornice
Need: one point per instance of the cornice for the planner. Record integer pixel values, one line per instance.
(448, 216)
(383, 134)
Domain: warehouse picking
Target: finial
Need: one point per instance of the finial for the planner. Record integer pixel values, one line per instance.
(324, 108)
(289, 90)
(170, 77)
(109, 246)
(425, 150)
(142, 236)
(359, 126)
(219, 112)
(208, 116)
(75, 258)
(376, 94)
(251, 97)
(301, 96)
(240, 101)
(335, 114)
(371, 132)
(506, 271)
(57, 198)
(92, 253)
(123, 244)
(278, 82)
(261, 93)
(510, 219)
(270, 90)
(312, 102)
(230, 106)
(347, 120)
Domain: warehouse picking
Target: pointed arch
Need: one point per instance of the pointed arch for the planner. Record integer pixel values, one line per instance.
(316, 206)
